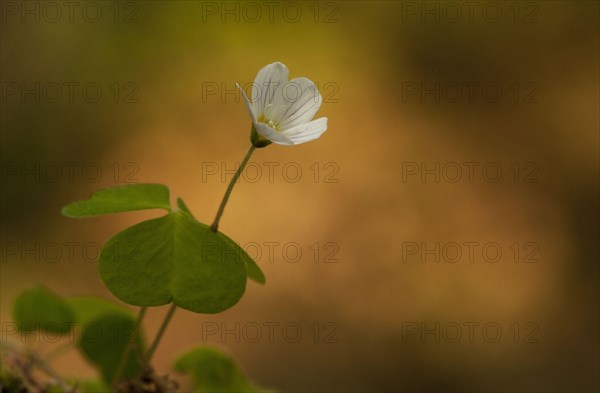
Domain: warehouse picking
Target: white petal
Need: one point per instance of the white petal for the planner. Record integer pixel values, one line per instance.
(296, 102)
(248, 104)
(266, 82)
(306, 132)
(272, 134)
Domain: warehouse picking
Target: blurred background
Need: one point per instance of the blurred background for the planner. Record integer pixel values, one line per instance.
(442, 235)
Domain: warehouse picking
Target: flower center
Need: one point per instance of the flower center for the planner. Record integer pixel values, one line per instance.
(270, 123)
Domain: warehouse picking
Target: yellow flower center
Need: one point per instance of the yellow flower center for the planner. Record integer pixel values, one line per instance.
(270, 123)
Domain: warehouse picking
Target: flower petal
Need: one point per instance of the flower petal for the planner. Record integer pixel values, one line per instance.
(272, 134)
(306, 132)
(266, 82)
(248, 104)
(296, 102)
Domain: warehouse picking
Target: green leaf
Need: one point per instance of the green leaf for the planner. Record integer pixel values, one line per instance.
(39, 308)
(88, 308)
(183, 206)
(93, 387)
(106, 327)
(121, 199)
(55, 388)
(213, 371)
(254, 272)
(252, 269)
(173, 258)
(103, 341)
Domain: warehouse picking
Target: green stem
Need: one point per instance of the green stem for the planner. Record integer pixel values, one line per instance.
(129, 347)
(160, 333)
(215, 225)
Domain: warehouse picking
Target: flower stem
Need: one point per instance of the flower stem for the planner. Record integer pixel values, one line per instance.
(215, 225)
(160, 333)
(129, 347)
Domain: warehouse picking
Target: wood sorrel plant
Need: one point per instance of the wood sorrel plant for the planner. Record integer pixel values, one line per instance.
(174, 259)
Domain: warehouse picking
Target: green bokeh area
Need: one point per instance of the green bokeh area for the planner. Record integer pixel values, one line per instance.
(40, 309)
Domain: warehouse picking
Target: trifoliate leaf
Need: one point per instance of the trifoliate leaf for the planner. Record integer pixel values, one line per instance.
(252, 269)
(121, 199)
(254, 272)
(173, 258)
(181, 204)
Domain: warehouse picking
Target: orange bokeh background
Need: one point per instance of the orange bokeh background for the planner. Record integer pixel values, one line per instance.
(363, 203)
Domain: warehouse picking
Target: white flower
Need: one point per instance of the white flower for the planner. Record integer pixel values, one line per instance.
(282, 111)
